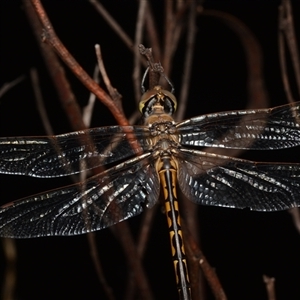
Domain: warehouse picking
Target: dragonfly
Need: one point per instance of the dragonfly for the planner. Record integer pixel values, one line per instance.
(147, 159)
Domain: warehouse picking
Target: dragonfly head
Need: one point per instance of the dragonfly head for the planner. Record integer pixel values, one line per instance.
(156, 99)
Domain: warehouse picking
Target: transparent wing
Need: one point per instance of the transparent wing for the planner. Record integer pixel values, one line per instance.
(211, 179)
(101, 201)
(259, 129)
(53, 156)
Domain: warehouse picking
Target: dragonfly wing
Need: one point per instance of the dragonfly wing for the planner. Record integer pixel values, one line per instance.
(260, 129)
(211, 179)
(53, 156)
(101, 201)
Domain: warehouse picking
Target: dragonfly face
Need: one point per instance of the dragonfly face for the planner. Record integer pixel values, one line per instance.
(158, 101)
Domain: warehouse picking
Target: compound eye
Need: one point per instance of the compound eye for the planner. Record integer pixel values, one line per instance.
(147, 96)
(171, 98)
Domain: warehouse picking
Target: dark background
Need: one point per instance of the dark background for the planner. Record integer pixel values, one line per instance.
(240, 245)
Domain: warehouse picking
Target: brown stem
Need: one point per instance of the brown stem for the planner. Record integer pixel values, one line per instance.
(190, 45)
(136, 75)
(152, 33)
(87, 81)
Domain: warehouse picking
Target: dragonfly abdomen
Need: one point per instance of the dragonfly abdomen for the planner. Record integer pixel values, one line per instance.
(167, 170)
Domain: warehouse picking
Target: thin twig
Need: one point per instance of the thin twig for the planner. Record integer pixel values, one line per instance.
(113, 92)
(9, 85)
(40, 101)
(113, 23)
(287, 25)
(87, 111)
(187, 69)
(286, 33)
(136, 75)
(116, 27)
(152, 32)
(168, 36)
(179, 24)
(173, 29)
(283, 67)
(257, 92)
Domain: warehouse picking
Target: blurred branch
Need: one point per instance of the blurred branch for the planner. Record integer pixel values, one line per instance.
(187, 69)
(39, 101)
(87, 111)
(287, 33)
(152, 33)
(8, 291)
(9, 85)
(257, 92)
(113, 23)
(270, 287)
(137, 41)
